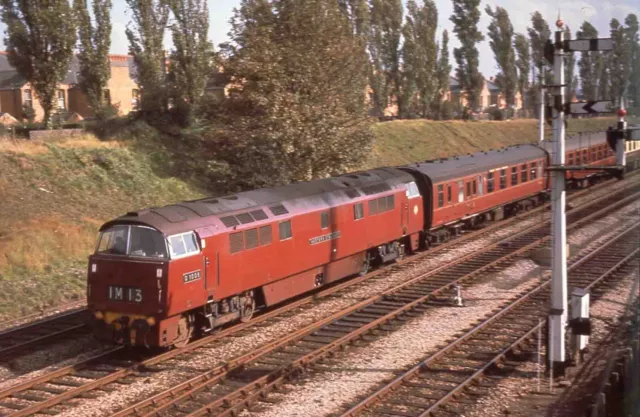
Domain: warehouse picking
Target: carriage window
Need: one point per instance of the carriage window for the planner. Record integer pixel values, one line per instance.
(599, 152)
(460, 191)
(138, 241)
(475, 187)
(503, 179)
(440, 195)
(571, 158)
(490, 182)
(534, 171)
(593, 155)
(523, 173)
(184, 244)
(468, 189)
(578, 158)
(285, 230)
(514, 176)
(480, 189)
(324, 219)
(449, 193)
(358, 211)
(585, 157)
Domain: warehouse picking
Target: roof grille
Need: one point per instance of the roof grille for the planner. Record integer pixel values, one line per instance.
(258, 215)
(352, 193)
(278, 210)
(229, 221)
(377, 188)
(244, 218)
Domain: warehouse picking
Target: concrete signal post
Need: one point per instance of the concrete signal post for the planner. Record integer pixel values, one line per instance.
(558, 313)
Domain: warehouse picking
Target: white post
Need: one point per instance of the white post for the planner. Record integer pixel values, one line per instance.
(541, 121)
(621, 158)
(558, 314)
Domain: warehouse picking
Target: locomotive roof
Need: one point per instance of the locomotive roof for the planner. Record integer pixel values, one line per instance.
(459, 166)
(264, 204)
(579, 141)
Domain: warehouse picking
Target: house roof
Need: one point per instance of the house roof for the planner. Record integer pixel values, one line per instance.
(11, 79)
(491, 85)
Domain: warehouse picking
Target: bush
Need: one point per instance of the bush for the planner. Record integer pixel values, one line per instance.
(496, 113)
(446, 112)
(28, 113)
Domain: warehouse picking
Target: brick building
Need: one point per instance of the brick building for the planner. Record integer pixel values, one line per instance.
(122, 91)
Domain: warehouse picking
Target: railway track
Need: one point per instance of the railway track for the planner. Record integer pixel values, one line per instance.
(49, 392)
(227, 389)
(36, 335)
(25, 338)
(468, 367)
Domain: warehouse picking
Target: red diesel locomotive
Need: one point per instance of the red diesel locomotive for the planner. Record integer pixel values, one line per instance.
(160, 275)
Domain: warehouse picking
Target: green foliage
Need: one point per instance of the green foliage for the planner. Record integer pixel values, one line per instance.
(442, 74)
(297, 108)
(466, 15)
(446, 112)
(539, 34)
(93, 52)
(145, 34)
(619, 61)
(419, 58)
(523, 64)
(39, 42)
(383, 48)
(633, 91)
(28, 113)
(569, 69)
(192, 59)
(590, 64)
(501, 42)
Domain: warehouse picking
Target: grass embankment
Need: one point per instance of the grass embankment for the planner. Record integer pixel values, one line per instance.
(54, 195)
(53, 198)
(406, 141)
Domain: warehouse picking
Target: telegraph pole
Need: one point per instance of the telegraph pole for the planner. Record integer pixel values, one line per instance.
(558, 313)
(541, 112)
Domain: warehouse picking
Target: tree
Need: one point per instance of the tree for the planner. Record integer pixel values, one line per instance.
(633, 91)
(39, 42)
(93, 52)
(501, 42)
(296, 110)
(384, 42)
(569, 69)
(539, 34)
(443, 72)
(618, 61)
(523, 64)
(145, 34)
(192, 59)
(588, 66)
(465, 18)
(419, 58)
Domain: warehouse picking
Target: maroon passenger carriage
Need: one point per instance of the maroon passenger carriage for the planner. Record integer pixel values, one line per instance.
(159, 274)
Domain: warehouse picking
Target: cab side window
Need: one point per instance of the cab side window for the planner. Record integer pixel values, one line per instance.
(285, 230)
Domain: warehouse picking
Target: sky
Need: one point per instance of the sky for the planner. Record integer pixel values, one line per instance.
(598, 12)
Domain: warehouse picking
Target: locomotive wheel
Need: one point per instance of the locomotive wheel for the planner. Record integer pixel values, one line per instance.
(248, 309)
(185, 331)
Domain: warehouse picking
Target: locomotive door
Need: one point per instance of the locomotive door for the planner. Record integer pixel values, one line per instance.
(210, 260)
(405, 217)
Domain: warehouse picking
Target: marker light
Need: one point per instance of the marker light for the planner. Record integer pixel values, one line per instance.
(94, 268)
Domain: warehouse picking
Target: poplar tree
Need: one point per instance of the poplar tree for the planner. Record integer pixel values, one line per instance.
(590, 64)
(633, 91)
(384, 52)
(145, 33)
(523, 64)
(40, 36)
(192, 58)
(465, 18)
(93, 52)
(569, 68)
(501, 42)
(296, 109)
(618, 61)
(443, 72)
(539, 34)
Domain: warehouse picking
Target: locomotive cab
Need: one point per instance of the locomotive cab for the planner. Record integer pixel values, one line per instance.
(127, 281)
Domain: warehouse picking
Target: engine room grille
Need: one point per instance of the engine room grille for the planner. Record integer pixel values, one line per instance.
(377, 188)
(258, 215)
(251, 239)
(244, 218)
(278, 210)
(353, 193)
(236, 242)
(229, 221)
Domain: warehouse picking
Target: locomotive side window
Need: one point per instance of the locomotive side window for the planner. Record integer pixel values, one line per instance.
(138, 241)
(460, 191)
(285, 230)
(440, 195)
(391, 202)
(324, 219)
(514, 176)
(523, 172)
(534, 171)
(184, 244)
(358, 211)
(449, 193)
(373, 207)
(503, 179)
(490, 182)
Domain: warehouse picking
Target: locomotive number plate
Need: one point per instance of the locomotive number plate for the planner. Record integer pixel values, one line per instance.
(129, 294)
(191, 276)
